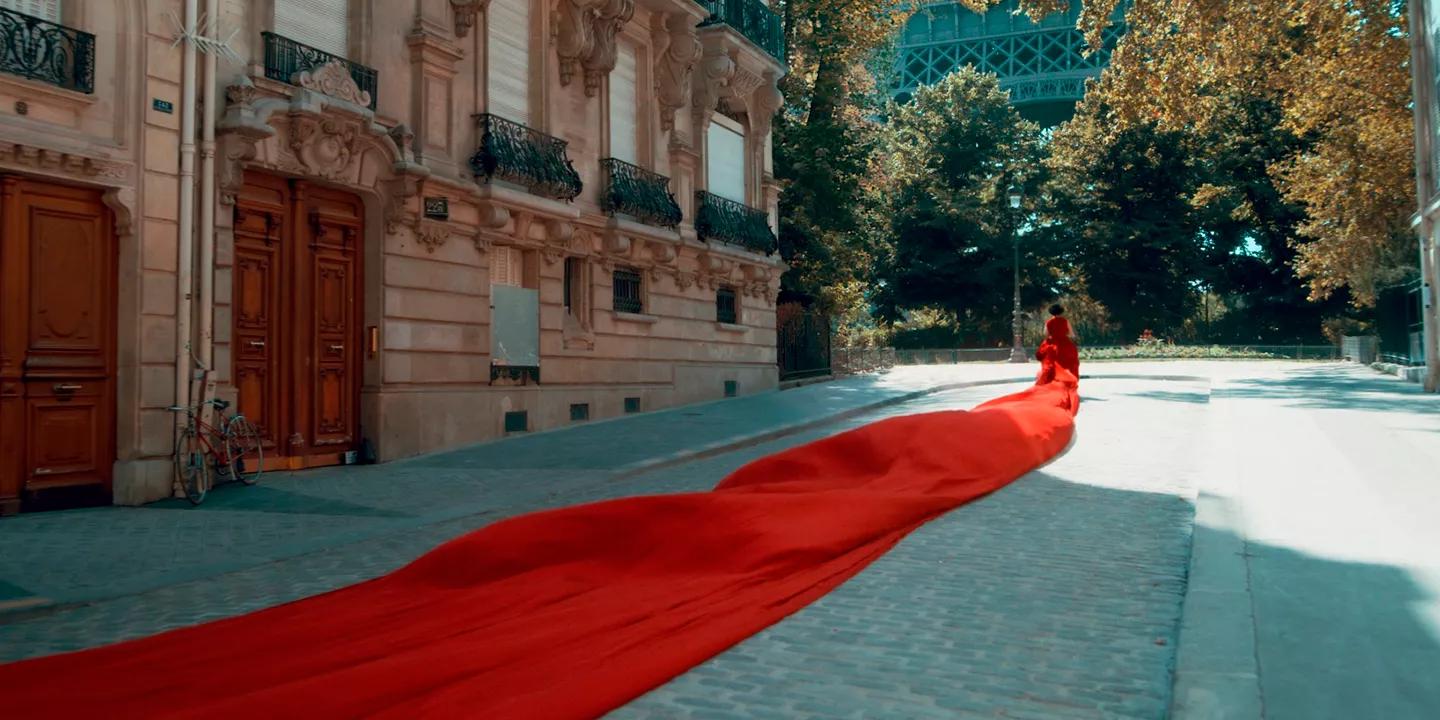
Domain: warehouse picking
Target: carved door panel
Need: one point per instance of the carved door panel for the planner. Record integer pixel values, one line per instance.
(57, 338)
(297, 305)
(258, 318)
(335, 334)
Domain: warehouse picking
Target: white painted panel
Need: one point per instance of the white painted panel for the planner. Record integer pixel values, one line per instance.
(47, 9)
(321, 24)
(624, 108)
(725, 158)
(509, 59)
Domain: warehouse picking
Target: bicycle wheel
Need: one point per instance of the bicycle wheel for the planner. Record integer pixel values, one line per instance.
(192, 467)
(246, 452)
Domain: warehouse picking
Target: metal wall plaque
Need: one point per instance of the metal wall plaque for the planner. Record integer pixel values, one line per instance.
(164, 106)
(437, 208)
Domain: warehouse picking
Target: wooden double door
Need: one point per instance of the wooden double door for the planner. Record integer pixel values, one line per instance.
(297, 318)
(58, 261)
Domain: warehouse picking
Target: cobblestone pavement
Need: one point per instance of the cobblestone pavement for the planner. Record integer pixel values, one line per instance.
(1057, 597)
(86, 555)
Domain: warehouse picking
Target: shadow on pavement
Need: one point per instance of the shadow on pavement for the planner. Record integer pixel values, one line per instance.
(1335, 388)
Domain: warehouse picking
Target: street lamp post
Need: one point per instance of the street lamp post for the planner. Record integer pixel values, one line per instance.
(1017, 353)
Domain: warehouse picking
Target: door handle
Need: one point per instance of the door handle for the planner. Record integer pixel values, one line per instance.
(257, 343)
(64, 389)
(337, 348)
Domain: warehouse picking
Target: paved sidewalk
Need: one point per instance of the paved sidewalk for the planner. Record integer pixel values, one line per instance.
(81, 556)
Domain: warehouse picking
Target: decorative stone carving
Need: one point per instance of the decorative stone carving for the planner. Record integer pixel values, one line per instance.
(492, 215)
(400, 192)
(482, 243)
(585, 37)
(62, 162)
(713, 74)
(432, 236)
(333, 79)
(763, 103)
(465, 14)
(684, 280)
(404, 140)
(677, 48)
(742, 84)
(325, 146)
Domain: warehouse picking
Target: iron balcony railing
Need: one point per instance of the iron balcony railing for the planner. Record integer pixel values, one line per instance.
(752, 19)
(718, 218)
(284, 58)
(525, 156)
(37, 49)
(639, 193)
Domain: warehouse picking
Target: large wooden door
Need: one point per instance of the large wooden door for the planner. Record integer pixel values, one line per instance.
(297, 317)
(57, 340)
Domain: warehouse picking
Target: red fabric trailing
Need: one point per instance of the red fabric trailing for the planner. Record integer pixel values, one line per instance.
(570, 613)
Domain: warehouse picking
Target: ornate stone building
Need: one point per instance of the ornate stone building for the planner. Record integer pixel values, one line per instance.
(382, 228)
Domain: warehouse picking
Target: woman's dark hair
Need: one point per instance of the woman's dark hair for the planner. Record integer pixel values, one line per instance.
(1057, 309)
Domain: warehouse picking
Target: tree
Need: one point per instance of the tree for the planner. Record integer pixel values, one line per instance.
(950, 156)
(824, 141)
(1338, 74)
(1119, 206)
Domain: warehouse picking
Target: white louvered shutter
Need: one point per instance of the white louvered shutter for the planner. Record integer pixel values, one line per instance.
(505, 266)
(47, 9)
(509, 59)
(725, 158)
(321, 24)
(624, 108)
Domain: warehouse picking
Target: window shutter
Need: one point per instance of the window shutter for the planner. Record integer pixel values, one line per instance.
(321, 24)
(505, 266)
(725, 158)
(624, 110)
(508, 64)
(47, 9)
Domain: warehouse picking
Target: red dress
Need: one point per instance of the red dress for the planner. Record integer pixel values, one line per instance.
(1058, 350)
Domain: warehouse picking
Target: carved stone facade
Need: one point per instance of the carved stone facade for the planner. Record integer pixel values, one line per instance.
(432, 232)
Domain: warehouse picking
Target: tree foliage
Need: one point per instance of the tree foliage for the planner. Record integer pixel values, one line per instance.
(1337, 75)
(950, 156)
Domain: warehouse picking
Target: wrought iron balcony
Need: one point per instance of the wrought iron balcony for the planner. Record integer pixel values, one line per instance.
(514, 153)
(38, 49)
(728, 221)
(752, 19)
(639, 193)
(285, 58)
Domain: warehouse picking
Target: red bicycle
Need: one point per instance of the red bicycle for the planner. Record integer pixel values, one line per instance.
(231, 447)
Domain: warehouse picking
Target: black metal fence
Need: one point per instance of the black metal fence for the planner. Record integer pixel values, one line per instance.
(803, 340)
(525, 156)
(751, 18)
(37, 49)
(639, 193)
(1399, 324)
(722, 219)
(285, 57)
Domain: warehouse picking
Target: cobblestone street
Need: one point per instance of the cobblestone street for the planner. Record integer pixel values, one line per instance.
(1307, 493)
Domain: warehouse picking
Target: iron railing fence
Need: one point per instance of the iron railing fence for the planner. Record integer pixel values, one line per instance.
(722, 219)
(37, 49)
(284, 58)
(525, 156)
(639, 193)
(751, 18)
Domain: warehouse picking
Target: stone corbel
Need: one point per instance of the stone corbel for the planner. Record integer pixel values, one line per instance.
(399, 191)
(677, 49)
(492, 216)
(762, 104)
(585, 38)
(558, 234)
(713, 74)
(684, 280)
(714, 270)
(465, 13)
(742, 86)
(609, 20)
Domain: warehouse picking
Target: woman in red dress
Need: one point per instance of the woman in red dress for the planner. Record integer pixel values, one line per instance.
(1059, 349)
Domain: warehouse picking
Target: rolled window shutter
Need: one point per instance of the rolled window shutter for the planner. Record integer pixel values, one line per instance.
(321, 24)
(624, 109)
(725, 158)
(508, 60)
(46, 9)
